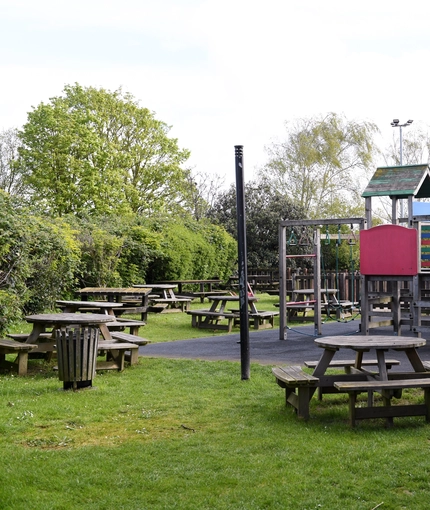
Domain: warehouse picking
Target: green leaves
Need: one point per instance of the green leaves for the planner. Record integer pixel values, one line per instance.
(92, 151)
(323, 160)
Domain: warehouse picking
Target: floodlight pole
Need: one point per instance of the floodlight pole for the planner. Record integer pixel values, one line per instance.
(395, 123)
(243, 269)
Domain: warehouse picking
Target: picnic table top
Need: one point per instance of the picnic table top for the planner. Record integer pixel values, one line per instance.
(70, 318)
(155, 286)
(113, 290)
(191, 281)
(363, 342)
(90, 304)
(228, 297)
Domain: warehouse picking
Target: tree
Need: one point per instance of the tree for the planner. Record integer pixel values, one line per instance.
(415, 148)
(96, 151)
(323, 160)
(10, 177)
(203, 190)
(265, 207)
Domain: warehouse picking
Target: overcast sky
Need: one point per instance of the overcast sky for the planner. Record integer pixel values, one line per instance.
(223, 73)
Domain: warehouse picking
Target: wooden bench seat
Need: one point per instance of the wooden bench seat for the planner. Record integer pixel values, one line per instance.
(205, 319)
(263, 319)
(115, 355)
(347, 364)
(126, 337)
(298, 385)
(9, 346)
(203, 294)
(259, 320)
(174, 304)
(122, 324)
(22, 337)
(386, 388)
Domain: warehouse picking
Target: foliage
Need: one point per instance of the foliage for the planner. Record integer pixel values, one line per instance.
(95, 151)
(38, 260)
(54, 256)
(322, 161)
(192, 250)
(10, 177)
(415, 147)
(116, 252)
(265, 207)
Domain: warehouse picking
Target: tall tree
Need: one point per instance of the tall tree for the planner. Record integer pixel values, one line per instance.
(415, 147)
(95, 151)
(265, 207)
(322, 161)
(10, 177)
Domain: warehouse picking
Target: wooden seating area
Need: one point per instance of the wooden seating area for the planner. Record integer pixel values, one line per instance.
(9, 346)
(205, 319)
(301, 386)
(116, 355)
(388, 411)
(297, 384)
(347, 364)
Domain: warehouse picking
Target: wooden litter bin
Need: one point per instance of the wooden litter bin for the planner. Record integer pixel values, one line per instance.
(77, 356)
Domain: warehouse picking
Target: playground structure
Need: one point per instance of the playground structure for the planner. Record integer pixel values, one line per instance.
(315, 255)
(394, 259)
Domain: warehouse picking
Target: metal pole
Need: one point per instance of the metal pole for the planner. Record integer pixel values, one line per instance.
(401, 147)
(401, 163)
(243, 268)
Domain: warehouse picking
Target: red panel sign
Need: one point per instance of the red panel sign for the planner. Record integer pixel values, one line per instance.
(389, 250)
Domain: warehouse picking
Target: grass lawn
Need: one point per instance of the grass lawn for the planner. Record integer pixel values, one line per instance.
(192, 435)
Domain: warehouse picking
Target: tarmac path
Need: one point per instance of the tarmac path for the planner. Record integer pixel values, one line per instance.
(267, 349)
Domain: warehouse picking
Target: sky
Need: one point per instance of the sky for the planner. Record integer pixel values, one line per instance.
(224, 73)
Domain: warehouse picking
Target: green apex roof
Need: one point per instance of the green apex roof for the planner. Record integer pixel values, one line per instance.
(400, 181)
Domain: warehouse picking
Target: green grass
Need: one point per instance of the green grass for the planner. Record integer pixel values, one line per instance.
(192, 435)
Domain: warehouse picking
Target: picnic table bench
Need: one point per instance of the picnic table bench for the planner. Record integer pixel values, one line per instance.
(300, 386)
(259, 319)
(297, 384)
(353, 388)
(206, 319)
(116, 355)
(9, 346)
(163, 298)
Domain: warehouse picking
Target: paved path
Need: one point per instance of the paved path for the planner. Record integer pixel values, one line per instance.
(265, 346)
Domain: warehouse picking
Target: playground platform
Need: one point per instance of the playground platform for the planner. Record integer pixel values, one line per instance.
(267, 349)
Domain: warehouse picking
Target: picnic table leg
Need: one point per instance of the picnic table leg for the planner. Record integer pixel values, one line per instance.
(352, 403)
(104, 330)
(386, 399)
(300, 400)
(415, 360)
(427, 403)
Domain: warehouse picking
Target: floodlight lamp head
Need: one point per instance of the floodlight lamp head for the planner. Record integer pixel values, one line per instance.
(410, 122)
(395, 122)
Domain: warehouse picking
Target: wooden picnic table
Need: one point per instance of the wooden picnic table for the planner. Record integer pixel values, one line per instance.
(302, 300)
(167, 297)
(134, 300)
(120, 323)
(115, 344)
(106, 307)
(211, 318)
(206, 287)
(44, 321)
(390, 384)
(300, 386)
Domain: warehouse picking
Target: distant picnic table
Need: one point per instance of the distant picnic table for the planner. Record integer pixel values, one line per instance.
(206, 287)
